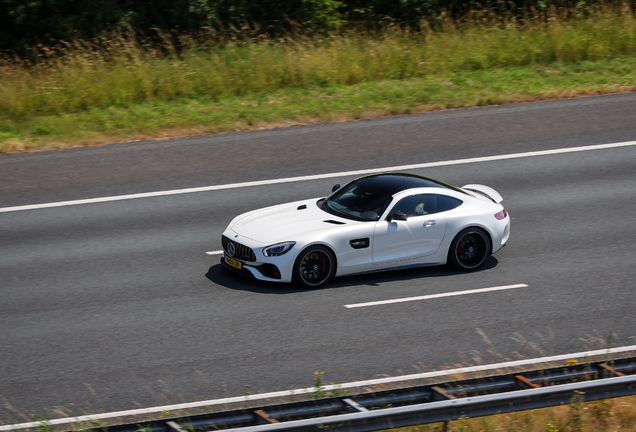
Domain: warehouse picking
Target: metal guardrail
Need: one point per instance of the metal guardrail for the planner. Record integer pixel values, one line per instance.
(477, 406)
(420, 405)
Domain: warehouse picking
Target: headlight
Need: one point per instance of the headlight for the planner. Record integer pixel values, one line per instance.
(278, 249)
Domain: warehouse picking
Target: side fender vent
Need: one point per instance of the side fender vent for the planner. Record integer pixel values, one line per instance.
(360, 243)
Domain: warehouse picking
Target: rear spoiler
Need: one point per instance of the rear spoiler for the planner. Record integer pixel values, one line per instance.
(486, 191)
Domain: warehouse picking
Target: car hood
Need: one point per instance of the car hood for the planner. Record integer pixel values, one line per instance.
(286, 222)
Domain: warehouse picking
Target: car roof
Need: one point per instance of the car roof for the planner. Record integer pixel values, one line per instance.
(392, 183)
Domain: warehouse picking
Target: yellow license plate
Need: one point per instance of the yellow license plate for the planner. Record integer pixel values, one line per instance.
(233, 263)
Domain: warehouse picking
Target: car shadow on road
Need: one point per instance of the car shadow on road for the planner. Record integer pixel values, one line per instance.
(224, 277)
(412, 274)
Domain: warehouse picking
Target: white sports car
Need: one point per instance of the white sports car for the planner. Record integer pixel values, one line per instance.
(377, 222)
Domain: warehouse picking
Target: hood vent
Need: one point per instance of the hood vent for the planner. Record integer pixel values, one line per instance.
(334, 222)
(302, 207)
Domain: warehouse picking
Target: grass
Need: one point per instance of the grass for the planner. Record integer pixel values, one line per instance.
(608, 415)
(119, 89)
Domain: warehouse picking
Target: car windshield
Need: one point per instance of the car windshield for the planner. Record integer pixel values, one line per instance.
(358, 201)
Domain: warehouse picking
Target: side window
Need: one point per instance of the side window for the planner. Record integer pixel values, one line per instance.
(423, 204)
(445, 203)
(417, 205)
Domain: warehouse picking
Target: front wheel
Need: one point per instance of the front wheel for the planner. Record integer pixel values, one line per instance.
(314, 267)
(469, 249)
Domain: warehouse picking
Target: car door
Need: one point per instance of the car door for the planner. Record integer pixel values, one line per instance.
(418, 236)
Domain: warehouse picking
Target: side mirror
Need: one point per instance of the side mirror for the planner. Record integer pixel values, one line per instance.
(335, 187)
(398, 216)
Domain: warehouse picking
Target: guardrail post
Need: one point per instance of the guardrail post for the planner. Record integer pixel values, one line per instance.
(263, 415)
(447, 426)
(176, 427)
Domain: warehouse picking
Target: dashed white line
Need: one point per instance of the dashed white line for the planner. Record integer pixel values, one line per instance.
(317, 177)
(219, 252)
(288, 393)
(435, 296)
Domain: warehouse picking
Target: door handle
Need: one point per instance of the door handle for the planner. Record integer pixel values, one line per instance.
(429, 223)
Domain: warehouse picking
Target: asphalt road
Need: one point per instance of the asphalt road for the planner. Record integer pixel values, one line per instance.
(115, 305)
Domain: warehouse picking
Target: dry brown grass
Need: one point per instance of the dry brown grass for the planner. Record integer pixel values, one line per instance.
(609, 415)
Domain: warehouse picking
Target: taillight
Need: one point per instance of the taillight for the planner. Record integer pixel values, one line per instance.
(501, 215)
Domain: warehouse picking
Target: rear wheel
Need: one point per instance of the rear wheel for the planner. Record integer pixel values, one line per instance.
(314, 267)
(469, 249)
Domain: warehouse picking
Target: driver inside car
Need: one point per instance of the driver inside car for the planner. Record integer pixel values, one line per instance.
(419, 210)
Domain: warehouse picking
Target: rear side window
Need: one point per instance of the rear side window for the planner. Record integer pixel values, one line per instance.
(418, 205)
(445, 203)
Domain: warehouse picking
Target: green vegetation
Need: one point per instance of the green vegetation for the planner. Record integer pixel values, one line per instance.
(319, 391)
(26, 24)
(118, 88)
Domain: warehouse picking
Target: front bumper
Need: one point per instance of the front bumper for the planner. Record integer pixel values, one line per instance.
(249, 253)
(264, 271)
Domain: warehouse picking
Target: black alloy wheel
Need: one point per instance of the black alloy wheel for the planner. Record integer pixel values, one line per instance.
(314, 267)
(469, 249)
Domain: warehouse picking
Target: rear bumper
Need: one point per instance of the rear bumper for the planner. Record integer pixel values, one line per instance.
(504, 236)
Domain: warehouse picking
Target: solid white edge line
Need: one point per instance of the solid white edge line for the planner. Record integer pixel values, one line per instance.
(330, 387)
(317, 177)
(219, 252)
(435, 296)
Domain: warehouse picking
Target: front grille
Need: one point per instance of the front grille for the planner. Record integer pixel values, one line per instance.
(241, 252)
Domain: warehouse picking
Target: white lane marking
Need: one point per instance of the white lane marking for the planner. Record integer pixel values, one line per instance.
(317, 177)
(435, 296)
(214, 252)
(288, 393)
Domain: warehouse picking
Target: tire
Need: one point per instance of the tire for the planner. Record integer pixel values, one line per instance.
(314, 267)
(469, 249)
